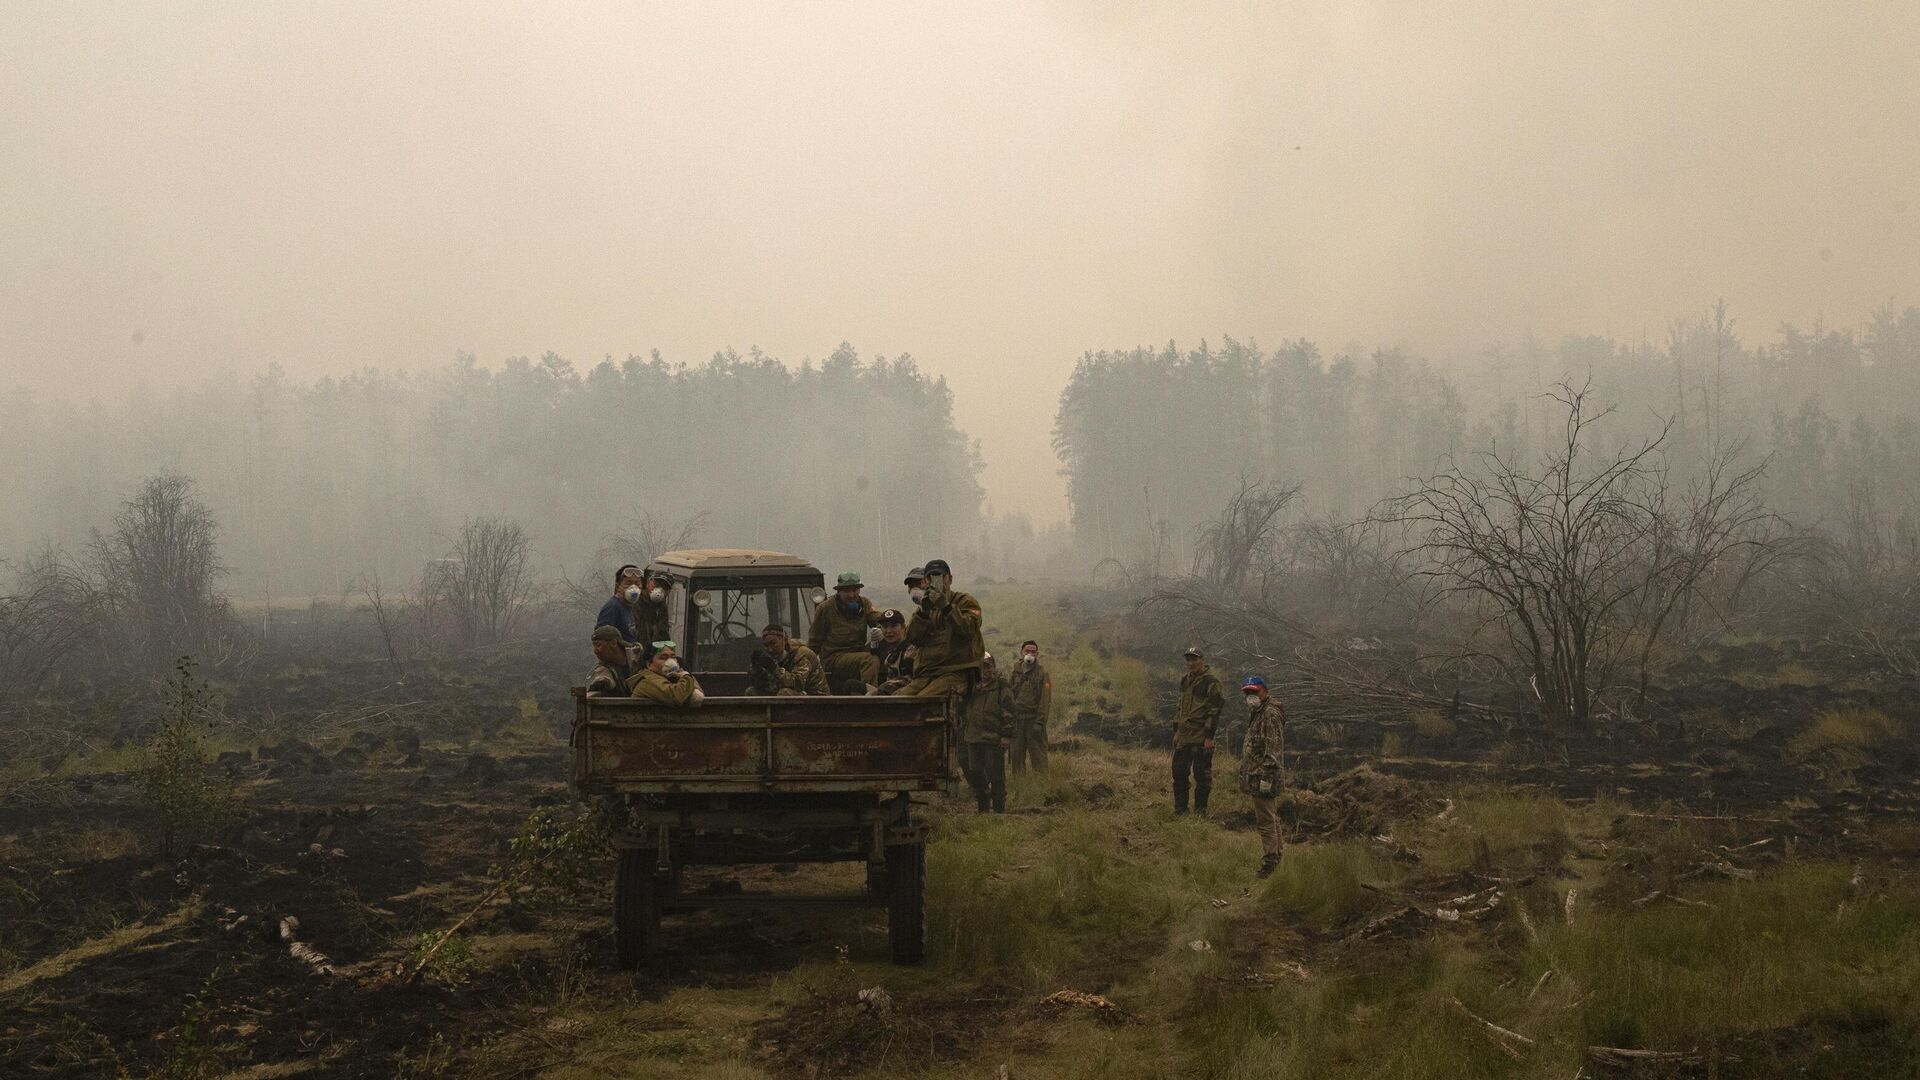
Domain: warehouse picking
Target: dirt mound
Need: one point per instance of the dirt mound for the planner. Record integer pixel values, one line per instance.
(1359, 802)
(843, 1032)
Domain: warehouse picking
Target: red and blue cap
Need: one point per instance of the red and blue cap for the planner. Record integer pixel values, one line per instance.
(1253, 681)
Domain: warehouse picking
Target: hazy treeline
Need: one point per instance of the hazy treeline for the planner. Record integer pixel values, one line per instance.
(1155, 441)
(314, 485)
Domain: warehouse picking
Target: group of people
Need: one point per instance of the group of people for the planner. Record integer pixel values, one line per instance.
(854, 648)
(1196, 721)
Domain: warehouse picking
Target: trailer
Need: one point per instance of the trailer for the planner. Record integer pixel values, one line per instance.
(744, 780)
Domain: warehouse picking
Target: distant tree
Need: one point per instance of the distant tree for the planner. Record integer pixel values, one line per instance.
(485, 582)
(158, 565)
(1578, 564)
(52, 611)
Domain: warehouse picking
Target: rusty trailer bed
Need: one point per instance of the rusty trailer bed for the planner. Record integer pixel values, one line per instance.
(770, 745)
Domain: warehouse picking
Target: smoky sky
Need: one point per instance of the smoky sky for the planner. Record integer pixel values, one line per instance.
(190, 188)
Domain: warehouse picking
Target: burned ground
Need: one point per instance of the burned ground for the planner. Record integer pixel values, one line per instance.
(1453, 875)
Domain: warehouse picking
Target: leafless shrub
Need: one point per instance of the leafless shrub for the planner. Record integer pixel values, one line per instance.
(1578, 565)
(157, 565)
(1862, 591)
(52, 612)
(484, 583)
(644, 537)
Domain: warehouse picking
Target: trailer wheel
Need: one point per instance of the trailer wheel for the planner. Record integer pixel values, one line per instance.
(636, 906)
(907, 902)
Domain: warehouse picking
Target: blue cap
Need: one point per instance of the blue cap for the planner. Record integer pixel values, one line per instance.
(1253, 681)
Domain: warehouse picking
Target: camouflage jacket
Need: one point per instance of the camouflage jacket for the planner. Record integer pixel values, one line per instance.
(1031, 689)
(649, 621)
(834, 631)
(947, 638)
(896, 661)
(796, 672)
(681, 692)
(989, 714)
(608, 681)
(1199, 709)
(1266, 738)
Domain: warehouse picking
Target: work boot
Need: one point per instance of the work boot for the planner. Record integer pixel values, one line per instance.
(1268, 865)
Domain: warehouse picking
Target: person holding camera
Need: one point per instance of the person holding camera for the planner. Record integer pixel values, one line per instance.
(1261, 771)
(945, 635)
(784, 667)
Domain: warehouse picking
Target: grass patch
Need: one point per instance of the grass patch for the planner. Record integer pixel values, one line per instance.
(1777, 953)
(1847, 729)
(1322, 884)
(1503, 829)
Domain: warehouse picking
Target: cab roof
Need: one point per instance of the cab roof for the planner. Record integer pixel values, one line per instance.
(731, 559)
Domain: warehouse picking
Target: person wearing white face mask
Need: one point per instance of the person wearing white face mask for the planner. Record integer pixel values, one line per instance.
(617, 612)
(665, 681)
(1262, 769)
(1031, 691)
(650, 608)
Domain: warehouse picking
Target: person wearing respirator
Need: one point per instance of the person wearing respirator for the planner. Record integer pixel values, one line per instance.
(945, 634)
(1261, 769)
(617, 612)
(665, 681)
(1031, 691)
(649, 600)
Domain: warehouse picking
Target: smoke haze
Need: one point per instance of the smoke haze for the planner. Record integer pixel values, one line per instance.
(995, 189)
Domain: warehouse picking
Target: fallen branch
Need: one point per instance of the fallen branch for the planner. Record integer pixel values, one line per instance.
(426, 958)
(315, 960)
(1497, 1034)
(1620, 1055)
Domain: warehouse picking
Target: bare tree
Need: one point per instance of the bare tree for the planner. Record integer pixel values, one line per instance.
(158, 565)
(485, 582)
(1231, 545)
(53, 610)
(643, 537)
(1575, 564)
(388, 613)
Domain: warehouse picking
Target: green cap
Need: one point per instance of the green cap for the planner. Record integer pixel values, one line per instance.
(603, 632)
(849, 580)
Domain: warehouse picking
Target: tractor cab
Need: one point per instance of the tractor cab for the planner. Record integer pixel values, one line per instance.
(720, 600)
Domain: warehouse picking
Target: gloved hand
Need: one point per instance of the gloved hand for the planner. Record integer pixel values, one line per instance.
(761, 661)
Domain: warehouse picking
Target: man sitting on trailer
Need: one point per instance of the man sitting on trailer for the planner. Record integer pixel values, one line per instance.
(785, 667)
(610, 675)
(665, 681)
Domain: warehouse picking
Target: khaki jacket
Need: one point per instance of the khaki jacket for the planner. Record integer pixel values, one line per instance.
(947, 639)
(989, 716)
(681, 693)
(797, 672)
(1199, 709)
(835, 632)
(1032, 693)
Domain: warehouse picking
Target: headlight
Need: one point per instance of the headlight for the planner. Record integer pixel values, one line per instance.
(702, 598)
(819, 598)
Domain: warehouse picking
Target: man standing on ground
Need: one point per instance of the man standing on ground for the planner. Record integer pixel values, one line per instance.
(984, 735)
(1261, 768)
(1030, 690)
(1194, 720)
(839, 636)
(945, 634)
(784, 666)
